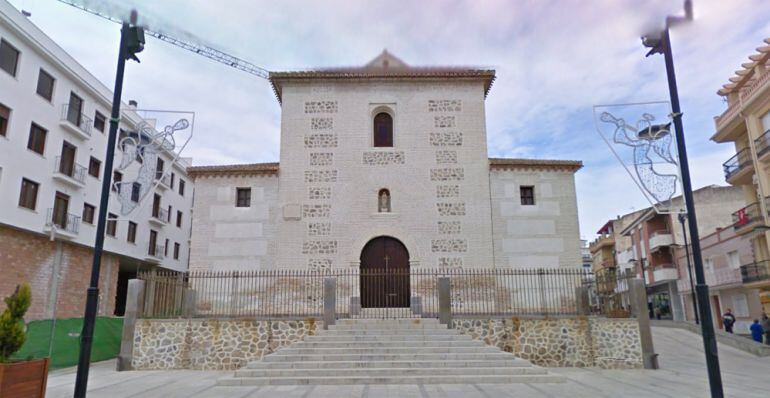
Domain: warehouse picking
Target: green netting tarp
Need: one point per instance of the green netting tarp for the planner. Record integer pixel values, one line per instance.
(66, 340)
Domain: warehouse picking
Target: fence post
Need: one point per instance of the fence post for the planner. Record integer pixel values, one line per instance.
(149, 305)
(444, 302)
(134, 304)
(234, 286)
(639, 309)
(330, 301)
(581, 295)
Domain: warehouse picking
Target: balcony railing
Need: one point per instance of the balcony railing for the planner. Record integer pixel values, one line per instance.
(165, 179)
(77, 119)
(63, 221)
(156, 251)
(71, 170)
(754, 87)
(727, 115)
(756, 272)
(735, 164)
(747, 217)
(160, 214)
(763, 144)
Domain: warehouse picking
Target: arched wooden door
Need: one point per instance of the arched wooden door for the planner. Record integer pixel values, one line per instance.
(385, 274)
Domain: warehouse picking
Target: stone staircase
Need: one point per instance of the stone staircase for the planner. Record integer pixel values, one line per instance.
(389, 351)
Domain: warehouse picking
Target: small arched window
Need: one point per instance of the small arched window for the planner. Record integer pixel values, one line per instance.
(383, 201)
(383, 130)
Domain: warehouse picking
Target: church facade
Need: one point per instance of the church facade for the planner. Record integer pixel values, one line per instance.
(385, 166)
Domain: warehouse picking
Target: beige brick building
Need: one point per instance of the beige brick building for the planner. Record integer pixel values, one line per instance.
(385, 165)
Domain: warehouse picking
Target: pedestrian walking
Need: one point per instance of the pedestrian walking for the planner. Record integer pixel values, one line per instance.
(728, 319)
(766, 327)
(756, 331)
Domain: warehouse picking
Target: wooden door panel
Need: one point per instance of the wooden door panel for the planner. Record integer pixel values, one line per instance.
(384, 274)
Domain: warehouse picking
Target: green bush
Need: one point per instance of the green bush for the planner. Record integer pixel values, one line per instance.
(12, 321)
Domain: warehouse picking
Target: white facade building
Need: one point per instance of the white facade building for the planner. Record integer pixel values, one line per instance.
(54, 120)
(385, 165)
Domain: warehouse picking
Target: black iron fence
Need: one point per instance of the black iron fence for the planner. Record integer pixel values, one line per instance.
(381, 293)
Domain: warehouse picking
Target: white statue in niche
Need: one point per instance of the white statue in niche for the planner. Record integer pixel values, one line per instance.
(383, 201)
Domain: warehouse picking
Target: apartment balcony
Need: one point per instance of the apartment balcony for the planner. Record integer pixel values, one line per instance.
(714, 278)
(739, 168)
(660, 239)
(756, 274)
(159, 217)
(65, 225)
(762, 144)
(600, 242)
(664, 273)
(747, 219)
(164, 180)
(728, 124)
(70, 173)
(75, 122)
(154, 254)
(755, 89)
(626, 256)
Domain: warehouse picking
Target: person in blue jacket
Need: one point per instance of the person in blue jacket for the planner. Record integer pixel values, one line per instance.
(756, 331)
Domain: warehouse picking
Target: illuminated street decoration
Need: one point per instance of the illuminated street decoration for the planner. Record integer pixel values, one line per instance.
(643, 148)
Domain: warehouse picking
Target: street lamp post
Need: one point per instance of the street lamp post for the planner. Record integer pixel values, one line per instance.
(662, 45)
(131, 42)
(682, 218)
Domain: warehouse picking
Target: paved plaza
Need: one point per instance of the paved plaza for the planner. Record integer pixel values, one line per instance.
(682, 374)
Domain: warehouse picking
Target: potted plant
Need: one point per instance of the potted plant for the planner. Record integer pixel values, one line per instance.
(23, 378)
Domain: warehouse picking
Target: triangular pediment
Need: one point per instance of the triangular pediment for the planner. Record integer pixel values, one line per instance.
(386, 61)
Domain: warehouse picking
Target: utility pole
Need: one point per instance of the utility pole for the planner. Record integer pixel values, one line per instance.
(131, 42)
(682, 219)
(661, 44)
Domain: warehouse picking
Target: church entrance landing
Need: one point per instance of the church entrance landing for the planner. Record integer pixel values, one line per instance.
(384, 274)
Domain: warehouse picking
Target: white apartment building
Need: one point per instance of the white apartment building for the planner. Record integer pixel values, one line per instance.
(54, 120)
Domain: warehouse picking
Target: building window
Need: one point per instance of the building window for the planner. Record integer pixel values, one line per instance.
(75, 109)
(243, 197)
(45, 85)
(383, 130)
(88, 213)
(9, 57)
(734, 260)
(159, 165)
(165, 249)
(176, 251)
(181, 187)
(112, 224)
(179, 219)
(527, 195)
(152, 249)
(28, 195)
(173, 177)
(168, 215)
(383, 201)
(131, 237)
(136, 189)
(99, 121)
(117, 179)
(94, 167)
(37, 136)
(5, 117)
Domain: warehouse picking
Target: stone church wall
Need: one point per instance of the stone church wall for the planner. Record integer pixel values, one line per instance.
(226, 237)
(562, 342)
(436, 172)
(545, 234)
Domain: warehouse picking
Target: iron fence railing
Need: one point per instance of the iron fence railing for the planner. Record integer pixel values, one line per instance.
(160, 214)
(380, 293)
(74, 116)
(71, 169)
(747, 216)
(738, 162)
(762, 144)
(755, 272)
(67, 222)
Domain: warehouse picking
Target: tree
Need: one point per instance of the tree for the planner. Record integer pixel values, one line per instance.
(12, 321)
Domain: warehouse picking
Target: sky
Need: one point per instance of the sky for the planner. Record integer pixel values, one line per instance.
(555, 60)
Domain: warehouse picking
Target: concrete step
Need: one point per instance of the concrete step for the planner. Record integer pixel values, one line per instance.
(398, 321)
(485, 363)
(376, 326)
(387, 332)
(391, 372)
(278, 357)
(387, 343)
(396, 337)
(347, 380)
(385, 350)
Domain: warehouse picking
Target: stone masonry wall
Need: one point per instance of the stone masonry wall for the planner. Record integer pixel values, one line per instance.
(562, 342)
(204, 344)
(58, 284)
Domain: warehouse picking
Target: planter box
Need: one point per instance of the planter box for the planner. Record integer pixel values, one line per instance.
(25, 379)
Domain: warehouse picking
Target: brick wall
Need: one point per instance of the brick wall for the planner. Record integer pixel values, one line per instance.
(26, 257)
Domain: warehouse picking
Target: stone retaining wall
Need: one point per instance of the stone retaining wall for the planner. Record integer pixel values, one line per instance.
(562, 342)
(206, 344)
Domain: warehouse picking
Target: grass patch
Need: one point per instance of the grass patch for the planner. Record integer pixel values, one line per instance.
(66, 340)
